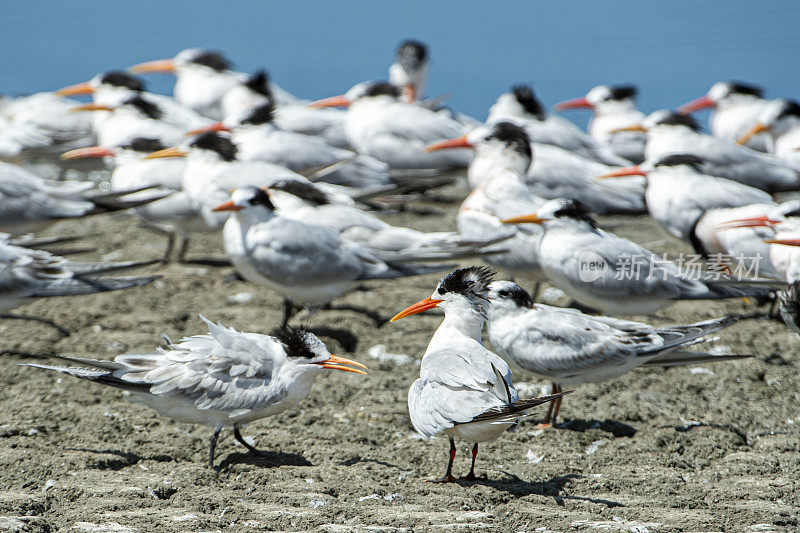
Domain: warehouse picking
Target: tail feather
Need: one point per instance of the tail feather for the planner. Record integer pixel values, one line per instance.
(684, 358)
(403, 270)
(516, 410)
(690, 333)
(96, 375)
(91, 285)
(99, 268)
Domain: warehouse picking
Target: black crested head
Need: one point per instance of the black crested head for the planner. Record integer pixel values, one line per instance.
(673, 160)
(516, 294)
(621, 92)
(789, 108)
(121, 78)
(147, 108)
(676, 119)
(261, 197)
(470, 281)
(258, 82)
(296, 342)
(144, 145)
(741, 87)
(513, 136)
(380, 88)
(223, 146)
(304, 190)
(572, 208)
(412, 54)
(526, 98)
(261, 114)
(213, 60)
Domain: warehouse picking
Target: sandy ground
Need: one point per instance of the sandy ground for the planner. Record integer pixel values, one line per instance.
(713, 448)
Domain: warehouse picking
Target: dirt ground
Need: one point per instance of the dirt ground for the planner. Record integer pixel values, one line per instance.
(712, 448)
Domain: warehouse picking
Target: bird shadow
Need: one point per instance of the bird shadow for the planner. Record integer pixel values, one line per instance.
(207, 261)
(346, 339)
(618, 429)
(355, 460)
(27, 355)
(123, 459)
(369, 313)
(264, 459)
(552, 488)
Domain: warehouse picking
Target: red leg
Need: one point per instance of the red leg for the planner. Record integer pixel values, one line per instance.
(552, 411)
(448, 475)
(471, 475)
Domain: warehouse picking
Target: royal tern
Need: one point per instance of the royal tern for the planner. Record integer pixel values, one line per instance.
(679, 193)
(736, 107)
(29, 203)
(381, 125)
(672, 133)
(554, 173)
(204, 77)
(256, 90)
(570, 348)
(224, 379)
(464, 390)
(410, 69)
(614, 107)
(258, 138)
(173, 214)
(780, 119)
(521, 106)
(26, 274)
(617, 276)
(308, 265)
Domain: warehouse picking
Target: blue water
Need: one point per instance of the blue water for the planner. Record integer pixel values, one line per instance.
(674, 50)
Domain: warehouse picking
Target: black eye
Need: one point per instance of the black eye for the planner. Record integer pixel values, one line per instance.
(441, 290)
(503, 293)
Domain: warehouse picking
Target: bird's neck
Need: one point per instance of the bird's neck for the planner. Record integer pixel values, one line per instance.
(457, 327)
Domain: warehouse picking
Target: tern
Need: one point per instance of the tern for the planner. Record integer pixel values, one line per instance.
(204, 77)
(614, 107)
(464, 390)
(26, 274)
(307, 264)
(604, 271)
(672, 133)
(571, 348)
(521, 105)
(548, 171)
(410, 69)
(736, 107)
(258, 138)
(224, 379)
(780, 119)
(29, 203)
(380, 124)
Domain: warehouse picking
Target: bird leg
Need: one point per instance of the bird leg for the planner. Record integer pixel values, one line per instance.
(183, 249)
(213, 446)
(170, 248)
(41, 320)
(535, 292)
(288, 311)
(552, 411)
(240, 440)
(448, 475)
(471, 476)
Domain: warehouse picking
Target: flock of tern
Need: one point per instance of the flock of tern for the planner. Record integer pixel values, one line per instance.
(296, 188)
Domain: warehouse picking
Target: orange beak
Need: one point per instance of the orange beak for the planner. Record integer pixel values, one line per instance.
(696, 105)
(88, 152)
(458, 142)
(338, 363)
(92, 107)
(216, 126)
(575, 103)
(333, 101)
(166, 152)
(161, 65)
(755, 130)
(753, 222)
(785, 242)
(78, 88)
(634, 127)
(420, 306)
(621, 172)
(227, 206)
(525, 219)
